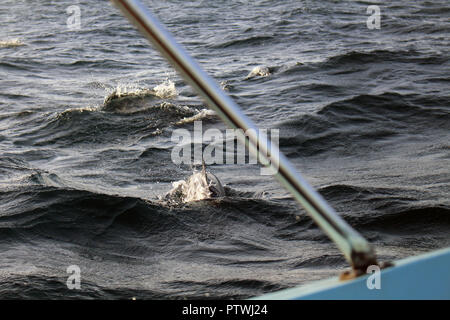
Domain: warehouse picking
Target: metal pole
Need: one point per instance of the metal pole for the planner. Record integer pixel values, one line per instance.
(355, 248)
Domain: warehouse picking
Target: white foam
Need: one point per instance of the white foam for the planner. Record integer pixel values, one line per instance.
(260, 71)
(79, 110)
(202, 114)
(193, 189)
(166, 90)
(122, 90)
(11, 43)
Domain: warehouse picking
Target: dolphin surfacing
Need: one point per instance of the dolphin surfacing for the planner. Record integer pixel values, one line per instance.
(199, 186)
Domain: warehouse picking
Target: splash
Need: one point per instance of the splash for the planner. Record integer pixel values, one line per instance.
(122, 91)
(11, 43)
(166, 90)
(202, 114)
(192, 189)
(79, 110)
(127, 99)
(66, 114)
(260, 71)
(131, 98)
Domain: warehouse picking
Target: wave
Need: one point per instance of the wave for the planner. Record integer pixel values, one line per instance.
(259, 71)
(390, 210)
(166, 90)
(95, 125)
(203, 114)
(320, 261)
(352, 61)
(12, 166)
(250, 41)
(128, 110)
(91, 220)
(14, 96)
(49, 211)
(351, 123)
(37, 286)
(80, 217)
(234, 231)
(14, 66)
(88, 64)
(383, 56)
(12, 43)
(126, 99)
(224, 288)
(414, 220)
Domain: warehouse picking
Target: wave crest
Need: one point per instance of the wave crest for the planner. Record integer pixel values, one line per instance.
(12, 43)
(131, 99)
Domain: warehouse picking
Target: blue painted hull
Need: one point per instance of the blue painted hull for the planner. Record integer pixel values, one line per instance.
(421, 277)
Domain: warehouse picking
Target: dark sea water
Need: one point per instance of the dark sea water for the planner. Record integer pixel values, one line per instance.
(363, 114)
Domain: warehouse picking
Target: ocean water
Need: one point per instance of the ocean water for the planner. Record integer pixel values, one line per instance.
(86, 120)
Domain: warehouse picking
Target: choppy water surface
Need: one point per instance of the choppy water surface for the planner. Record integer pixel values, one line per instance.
(87, 116)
